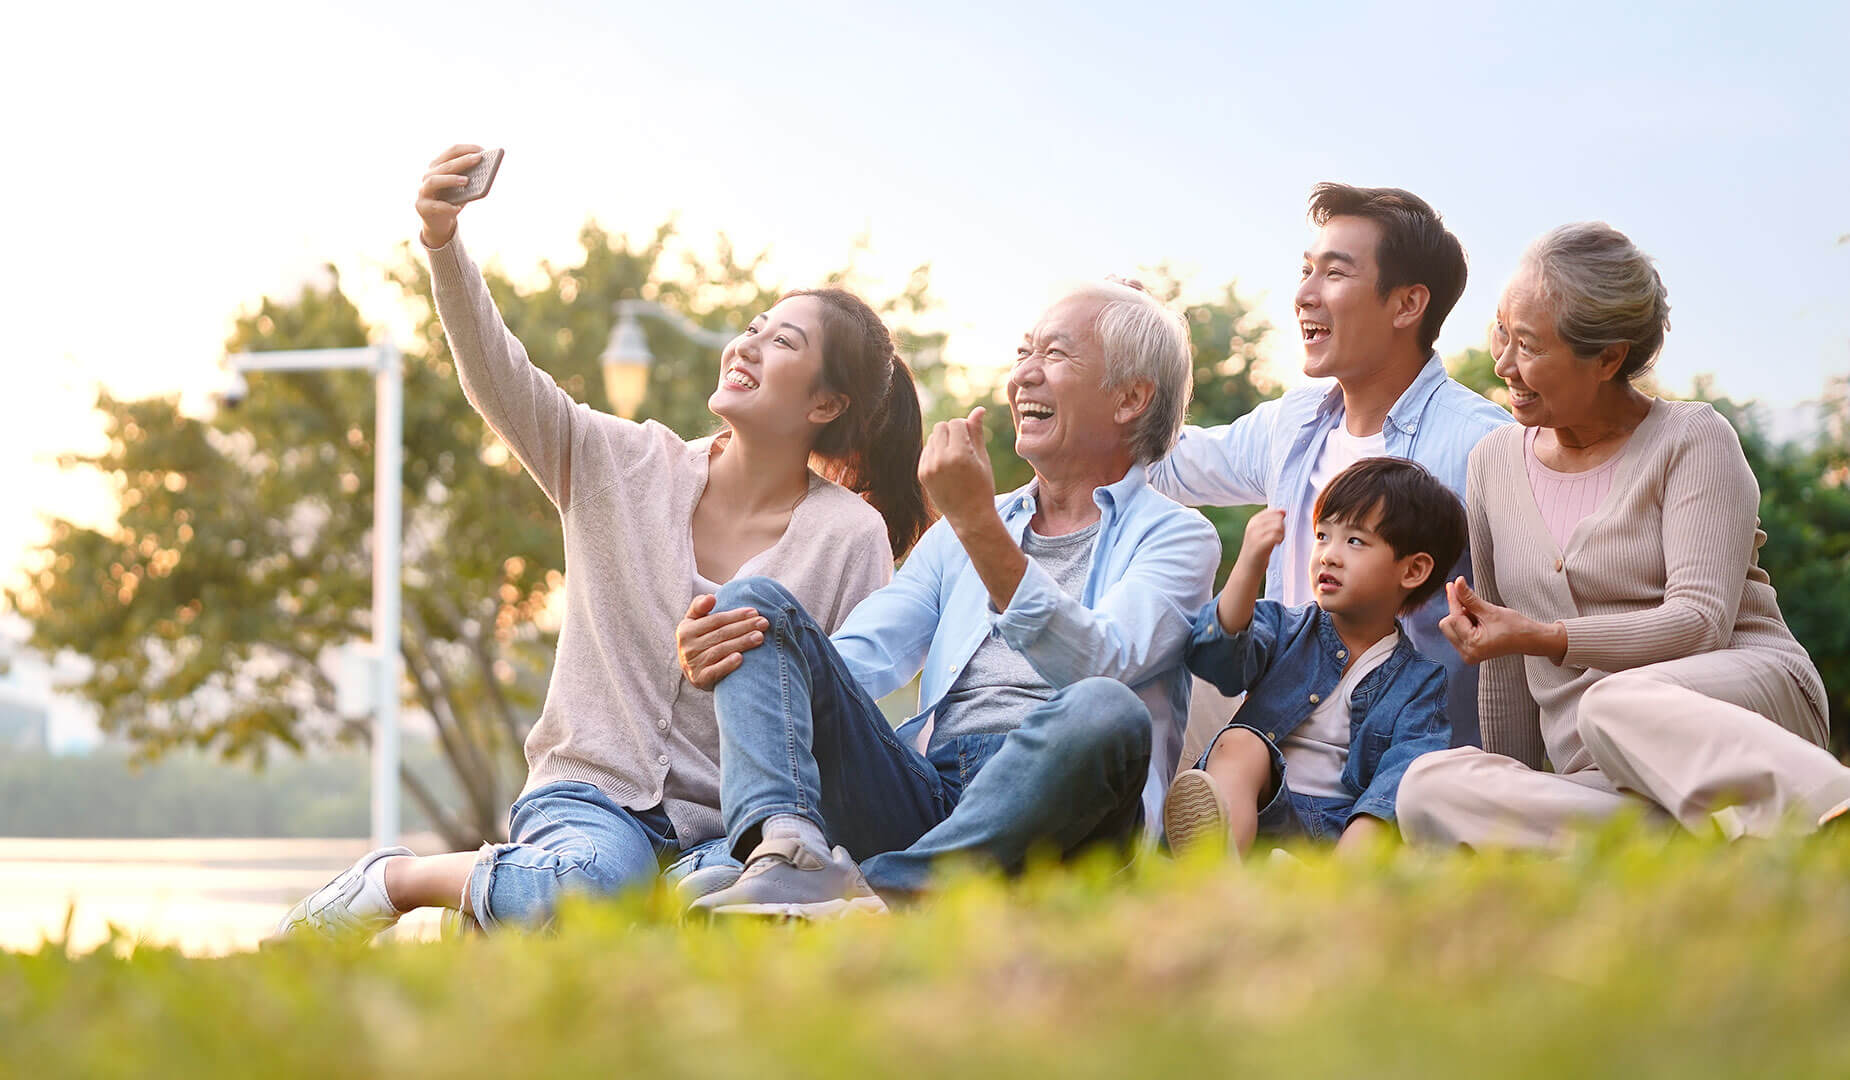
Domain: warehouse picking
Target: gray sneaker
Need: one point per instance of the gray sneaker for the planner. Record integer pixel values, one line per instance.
(790, 879)
(348, 906)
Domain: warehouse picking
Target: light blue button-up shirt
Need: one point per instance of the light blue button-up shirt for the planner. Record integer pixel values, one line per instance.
(1151, 570)
(1267, 455)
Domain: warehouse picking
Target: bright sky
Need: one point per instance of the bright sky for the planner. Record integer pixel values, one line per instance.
(166, 165)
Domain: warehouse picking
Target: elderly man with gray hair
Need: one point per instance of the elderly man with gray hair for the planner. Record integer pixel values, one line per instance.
(1048, 622)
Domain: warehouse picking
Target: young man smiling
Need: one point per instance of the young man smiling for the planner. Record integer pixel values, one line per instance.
(1380, 276)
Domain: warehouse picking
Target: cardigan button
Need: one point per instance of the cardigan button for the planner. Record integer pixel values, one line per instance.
(661, 759)
(1558, 566)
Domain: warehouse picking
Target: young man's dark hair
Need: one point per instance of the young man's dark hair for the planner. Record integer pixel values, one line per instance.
(1417, 514)
(1416, 248)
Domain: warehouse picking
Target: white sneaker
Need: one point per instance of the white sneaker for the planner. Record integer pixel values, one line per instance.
(354, 904)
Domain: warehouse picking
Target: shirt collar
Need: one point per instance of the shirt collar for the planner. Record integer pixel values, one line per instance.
(1404, 416)
(1406, 412)
(1111, 497)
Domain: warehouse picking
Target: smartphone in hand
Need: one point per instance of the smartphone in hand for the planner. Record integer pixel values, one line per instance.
(480, 179)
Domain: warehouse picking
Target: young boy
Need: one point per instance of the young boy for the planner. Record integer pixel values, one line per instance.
(1338, 701)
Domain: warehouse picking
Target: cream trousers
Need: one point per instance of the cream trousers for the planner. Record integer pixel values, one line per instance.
(1722, 741)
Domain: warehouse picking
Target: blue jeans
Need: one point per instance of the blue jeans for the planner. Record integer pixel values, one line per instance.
(1290, 815)
(569, 837)
(798, 735)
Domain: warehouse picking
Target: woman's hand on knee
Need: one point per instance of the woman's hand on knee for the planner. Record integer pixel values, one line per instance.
(711, 645)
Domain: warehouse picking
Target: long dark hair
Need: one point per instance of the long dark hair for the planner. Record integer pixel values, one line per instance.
(873, 447)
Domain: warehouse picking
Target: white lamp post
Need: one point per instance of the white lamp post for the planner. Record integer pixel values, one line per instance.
(381, 666)
(627, 358)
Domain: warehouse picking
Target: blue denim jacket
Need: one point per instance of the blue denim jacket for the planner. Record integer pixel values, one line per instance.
(1152, 566)
(1289, 659)
(1266, 457)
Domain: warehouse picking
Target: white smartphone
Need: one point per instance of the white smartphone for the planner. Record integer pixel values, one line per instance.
(480, 179)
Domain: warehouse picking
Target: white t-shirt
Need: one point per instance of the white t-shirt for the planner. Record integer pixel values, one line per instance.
(1317, 751)
(1340, 450)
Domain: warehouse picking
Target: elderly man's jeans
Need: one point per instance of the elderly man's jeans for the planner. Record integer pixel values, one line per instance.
(798, 735)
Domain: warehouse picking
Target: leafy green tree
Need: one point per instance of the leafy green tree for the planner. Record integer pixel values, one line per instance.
(1475, 368)
(1805, 510)
(241, 551)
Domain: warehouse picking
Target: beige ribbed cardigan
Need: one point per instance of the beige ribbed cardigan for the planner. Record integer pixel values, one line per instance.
(1665, 567)
(618, 715)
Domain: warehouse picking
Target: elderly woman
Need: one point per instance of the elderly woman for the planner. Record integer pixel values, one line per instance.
(1626, 632)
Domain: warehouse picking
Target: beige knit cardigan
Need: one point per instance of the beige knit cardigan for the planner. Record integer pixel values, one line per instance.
(618, 714)
(1665, 567)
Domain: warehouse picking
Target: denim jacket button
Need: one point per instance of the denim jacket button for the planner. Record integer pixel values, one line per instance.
(1342, 654)
(1314, 699)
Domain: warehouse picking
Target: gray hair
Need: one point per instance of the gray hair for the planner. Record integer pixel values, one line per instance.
(1604, 291)
(1143, 339)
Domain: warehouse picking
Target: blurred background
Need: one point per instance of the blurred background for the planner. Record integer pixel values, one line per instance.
(180, 577)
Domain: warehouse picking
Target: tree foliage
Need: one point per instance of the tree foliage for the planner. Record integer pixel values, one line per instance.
(1805, 511)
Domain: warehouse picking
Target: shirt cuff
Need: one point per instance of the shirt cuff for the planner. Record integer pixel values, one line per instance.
(1207, 628)
(1035, 600)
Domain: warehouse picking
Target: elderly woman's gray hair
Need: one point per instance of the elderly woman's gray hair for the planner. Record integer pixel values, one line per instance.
(1143, 339)
(1604, 292)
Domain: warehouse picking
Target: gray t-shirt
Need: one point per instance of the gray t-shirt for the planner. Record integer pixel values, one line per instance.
(998, 686)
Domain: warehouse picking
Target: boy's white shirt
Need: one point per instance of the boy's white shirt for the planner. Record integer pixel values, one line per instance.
(1317, 750)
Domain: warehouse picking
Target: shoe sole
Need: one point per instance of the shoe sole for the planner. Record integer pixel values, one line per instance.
(718, 883)
(812, 912)
(1192, 813)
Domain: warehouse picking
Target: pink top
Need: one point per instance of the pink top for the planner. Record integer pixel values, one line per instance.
(1565, 499)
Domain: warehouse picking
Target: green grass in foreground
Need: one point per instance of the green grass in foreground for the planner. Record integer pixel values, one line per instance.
(1639, 956)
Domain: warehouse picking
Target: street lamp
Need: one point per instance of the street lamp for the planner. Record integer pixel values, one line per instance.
(377, 669)
(627, 358)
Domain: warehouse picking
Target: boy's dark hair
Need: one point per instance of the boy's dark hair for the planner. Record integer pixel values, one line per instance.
(1416, 247)
(1417, 514)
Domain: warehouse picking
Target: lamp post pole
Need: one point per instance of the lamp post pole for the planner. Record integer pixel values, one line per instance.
(387, 365)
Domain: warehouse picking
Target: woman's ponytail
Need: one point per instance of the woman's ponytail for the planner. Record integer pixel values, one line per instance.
(873, 447)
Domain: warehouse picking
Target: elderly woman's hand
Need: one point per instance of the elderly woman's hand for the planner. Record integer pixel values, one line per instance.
(1481, 630)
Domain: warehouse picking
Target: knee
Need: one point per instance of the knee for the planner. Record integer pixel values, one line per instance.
(1104, 716)
(1431, 785)
(762, 593)
(1610, 704)
(1242, 748)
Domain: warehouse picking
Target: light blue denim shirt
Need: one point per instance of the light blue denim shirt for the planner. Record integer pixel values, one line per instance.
(1151, 570)
(1267, 455)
